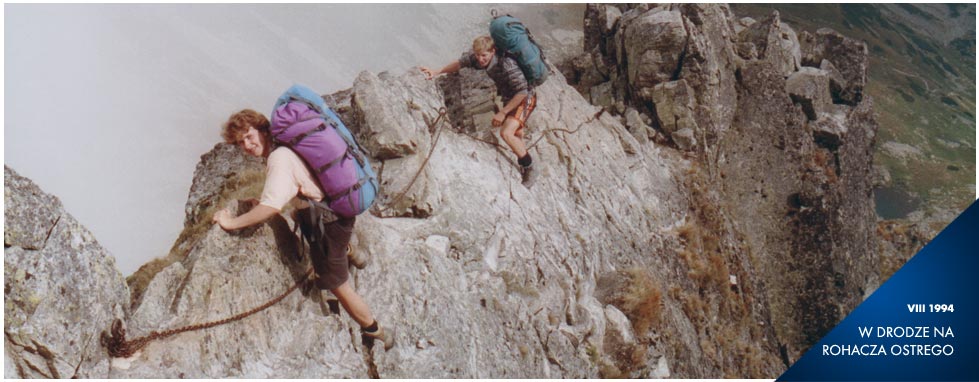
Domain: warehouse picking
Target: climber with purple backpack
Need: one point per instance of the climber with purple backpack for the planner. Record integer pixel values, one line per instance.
(314, 162)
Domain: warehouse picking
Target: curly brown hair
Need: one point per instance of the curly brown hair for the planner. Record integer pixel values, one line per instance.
(238, 123)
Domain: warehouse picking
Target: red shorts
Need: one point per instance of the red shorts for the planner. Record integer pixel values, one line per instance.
(522, 112)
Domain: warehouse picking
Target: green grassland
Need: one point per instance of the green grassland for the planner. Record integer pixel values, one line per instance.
(924, 92)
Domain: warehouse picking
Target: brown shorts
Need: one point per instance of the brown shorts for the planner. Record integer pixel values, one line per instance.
(522, 112)
(327, 246)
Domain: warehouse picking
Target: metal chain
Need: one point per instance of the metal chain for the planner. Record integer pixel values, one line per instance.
(118, 346)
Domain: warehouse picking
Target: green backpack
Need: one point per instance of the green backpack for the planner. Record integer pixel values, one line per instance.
(512, 39)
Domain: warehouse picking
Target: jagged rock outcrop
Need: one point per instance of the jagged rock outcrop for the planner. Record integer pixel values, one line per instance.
(216, 169)
(845, 55)
(61, 288)
(781, 125)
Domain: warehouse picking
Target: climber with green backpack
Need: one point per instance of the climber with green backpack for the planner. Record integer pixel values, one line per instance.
(516, 64)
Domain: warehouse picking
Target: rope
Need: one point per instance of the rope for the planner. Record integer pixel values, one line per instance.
(438, 134)
(575, 131)
(120, 348)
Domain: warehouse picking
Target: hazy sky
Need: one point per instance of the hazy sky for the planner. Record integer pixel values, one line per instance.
(109, 107)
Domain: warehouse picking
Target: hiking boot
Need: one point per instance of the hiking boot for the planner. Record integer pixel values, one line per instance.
(356, 258)
(385, 335)
(528, 175)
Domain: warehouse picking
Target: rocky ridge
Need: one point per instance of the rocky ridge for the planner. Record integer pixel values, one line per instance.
(782, 128)
(626, 258)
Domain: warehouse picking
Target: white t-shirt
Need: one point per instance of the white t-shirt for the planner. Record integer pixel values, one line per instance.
(286, 176)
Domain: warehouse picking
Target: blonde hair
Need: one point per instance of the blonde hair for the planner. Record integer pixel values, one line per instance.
(482, 44)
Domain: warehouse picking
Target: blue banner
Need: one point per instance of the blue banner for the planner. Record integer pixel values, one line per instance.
(921, 325)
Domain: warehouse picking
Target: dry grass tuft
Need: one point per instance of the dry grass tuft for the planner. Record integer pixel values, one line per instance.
(642, 302)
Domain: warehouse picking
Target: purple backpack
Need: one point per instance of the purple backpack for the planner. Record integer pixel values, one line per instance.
(303, 122)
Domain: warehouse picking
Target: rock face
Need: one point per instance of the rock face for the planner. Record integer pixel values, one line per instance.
(216, 168)
(780, 123)
(61, 288)
(727, 257)
(847, 55)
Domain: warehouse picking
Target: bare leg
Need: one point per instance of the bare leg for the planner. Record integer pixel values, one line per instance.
(354, 304)
(508, 133)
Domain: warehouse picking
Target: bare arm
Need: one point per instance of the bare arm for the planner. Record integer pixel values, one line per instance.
(257, 215)
(452, 67)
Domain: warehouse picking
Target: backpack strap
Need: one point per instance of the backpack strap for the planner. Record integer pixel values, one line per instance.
(334, 162)
(334, 197)
(295, 140)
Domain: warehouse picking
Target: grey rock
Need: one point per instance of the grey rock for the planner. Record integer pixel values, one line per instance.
(836, 81)
(61, 290)
(470, 95)
(601, 95)
(882, 177)
(395, 112)
(221, 277)
(816, 183)
(829, 131)
(412, 191)
(652, 44)
(674, 102)
(742, 24)
(637, 125)
(809, 87)
(709, 64)
(662, 369)
(642, 131)
(772, 41)
(599, 21)
(846, 54)
(612, 15)
(217, 172)
(684, 139)
(29, 213)
(619, 327)
(587, 72)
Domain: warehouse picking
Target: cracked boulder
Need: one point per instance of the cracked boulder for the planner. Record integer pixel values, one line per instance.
(836, 81)
(809, 87)
(848, 55)
(652, 44)
(829, 131)
(674, 103)
(394, 113)
(61, 288)
(772, 41)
